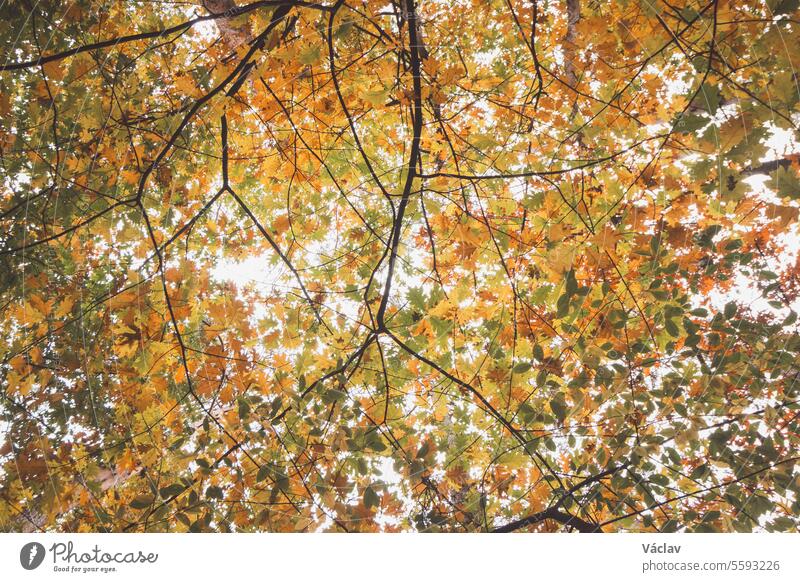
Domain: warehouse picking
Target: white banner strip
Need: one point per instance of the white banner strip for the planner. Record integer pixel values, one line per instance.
(390, 557)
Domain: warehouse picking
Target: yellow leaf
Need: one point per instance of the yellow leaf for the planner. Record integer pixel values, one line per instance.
(281, 224)
(18, 384)
(65, 307)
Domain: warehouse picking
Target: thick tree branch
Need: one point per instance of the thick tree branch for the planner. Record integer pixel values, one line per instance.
(554, 514)
(112, 42)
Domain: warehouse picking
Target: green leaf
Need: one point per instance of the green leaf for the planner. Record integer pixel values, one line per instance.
(333, 395)
(708, 98)
(263, 473)
(375, 442)
(522, 367)
(786, 7)
(526, 412)
(377, 97)
(662, 480)
(171, 490)
(214, 492)
(559, 408)
(309, 55)
(343, 29)
(688, 123)
(562, 306)
(785, 182)
(142, 501)
(671, 328)
(571, 283)
(371, 499)
(244, 408)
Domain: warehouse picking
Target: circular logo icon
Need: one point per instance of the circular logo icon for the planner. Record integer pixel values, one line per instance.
(31, 555)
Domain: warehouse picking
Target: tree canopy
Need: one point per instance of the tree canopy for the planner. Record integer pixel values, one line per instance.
(432, 265)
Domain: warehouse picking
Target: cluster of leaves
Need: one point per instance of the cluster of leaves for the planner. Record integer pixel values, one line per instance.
(508, 265)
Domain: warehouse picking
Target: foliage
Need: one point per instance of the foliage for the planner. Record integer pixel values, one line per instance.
(518, 265)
